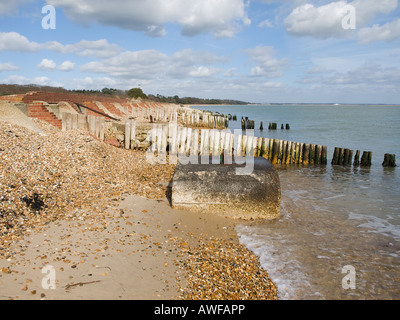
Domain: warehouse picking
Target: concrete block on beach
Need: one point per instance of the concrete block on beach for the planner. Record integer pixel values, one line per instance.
(218, 188)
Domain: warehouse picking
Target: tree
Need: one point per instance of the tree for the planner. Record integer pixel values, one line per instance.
(109, 91)
(136, 93)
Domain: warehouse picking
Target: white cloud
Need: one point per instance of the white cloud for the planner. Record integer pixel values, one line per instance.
(222, 18)
(47, 65)
(66, 66)
(316, 70)
(90, 83)
(98, 48)
(129, 64)
(388, 32)
(267, 65)
(326, 21)
(7, 66)
(42, 81)
(9, 7)
(13, 41)
(50, 65)
(366, 10)
(367, 75)
(319, 22)
(156, 31)
(189, 62)
(265, 23)
(203, 71)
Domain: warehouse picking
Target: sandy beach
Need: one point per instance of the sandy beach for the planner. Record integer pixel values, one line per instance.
(84, 220)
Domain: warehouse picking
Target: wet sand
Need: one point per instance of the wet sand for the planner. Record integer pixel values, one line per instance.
(132, 252)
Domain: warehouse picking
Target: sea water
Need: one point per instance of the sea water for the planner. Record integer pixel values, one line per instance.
(333, 218)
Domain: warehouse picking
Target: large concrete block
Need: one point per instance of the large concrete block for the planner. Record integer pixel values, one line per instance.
(218, 188)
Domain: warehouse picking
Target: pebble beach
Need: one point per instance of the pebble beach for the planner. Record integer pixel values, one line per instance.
(99, 217)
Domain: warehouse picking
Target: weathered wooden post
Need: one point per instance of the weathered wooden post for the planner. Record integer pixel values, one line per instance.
(183, 141)
(254, 146)
(301, 147)
(275, 147)
(284, 150)
(259, 147)
(366, 159)
(297, 153)
(306, 153)
(206, 144)
(244, 144)
(324, 155)
(67, 121)
(238, 151)
(82, 124)
(356, 162)
(173, 132)
(188, 140)
(195, 142)
(346, 157)
(389, 160)
(127, 133)
(74, 121)
(102, 128)
(212, 138)
(335, 156)
(159, 134)
(289, 152)
(318, 154)
(341, 156)
(202, 133)
(92, 124)
(312, 154)
(217, 143)
(227, 148)
(267, 150)
(133, 134)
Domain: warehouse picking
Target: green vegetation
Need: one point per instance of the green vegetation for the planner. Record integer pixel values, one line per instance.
(135, 93)
(192, 100)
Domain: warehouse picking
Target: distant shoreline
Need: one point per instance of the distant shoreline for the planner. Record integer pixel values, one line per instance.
(295, 104)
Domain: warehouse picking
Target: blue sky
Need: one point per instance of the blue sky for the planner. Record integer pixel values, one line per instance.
(256, 51)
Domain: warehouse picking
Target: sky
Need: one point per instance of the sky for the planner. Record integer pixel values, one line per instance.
(259, 51)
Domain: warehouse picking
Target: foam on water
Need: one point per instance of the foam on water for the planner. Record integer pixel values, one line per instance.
(377, 225)
(320, 232)
(284, 270)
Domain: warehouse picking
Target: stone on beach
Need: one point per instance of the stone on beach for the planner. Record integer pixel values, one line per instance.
(220, 188)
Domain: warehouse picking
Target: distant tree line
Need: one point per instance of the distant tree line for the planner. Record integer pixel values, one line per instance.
(8, 89)
(135, 93)
(192, 100)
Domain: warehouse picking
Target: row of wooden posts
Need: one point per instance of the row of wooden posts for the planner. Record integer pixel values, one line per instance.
(193, 118)
(205, 120)
(185, 140)
(95, 125)
(250, 124)
(188, 141)
(342, 156)
(214, 142)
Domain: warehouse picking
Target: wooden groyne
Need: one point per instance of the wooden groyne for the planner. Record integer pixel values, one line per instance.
(185, 141)
(171, 138)
(95, 125)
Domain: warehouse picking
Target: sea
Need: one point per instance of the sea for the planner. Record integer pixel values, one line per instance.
(338, 236)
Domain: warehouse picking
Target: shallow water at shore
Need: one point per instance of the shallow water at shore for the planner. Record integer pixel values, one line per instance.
(332, 218)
